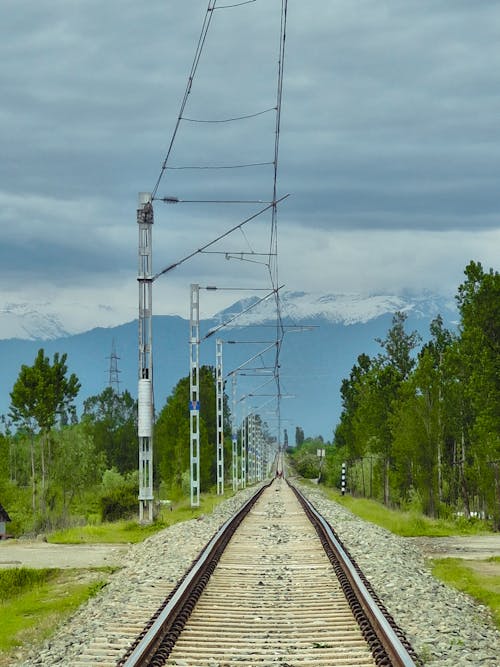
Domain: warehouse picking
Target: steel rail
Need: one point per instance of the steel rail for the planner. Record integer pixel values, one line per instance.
(388, 644)
(389, 638)
(178, 608)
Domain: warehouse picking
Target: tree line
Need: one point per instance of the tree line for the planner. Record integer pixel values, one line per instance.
(58, 467)
(420, 424)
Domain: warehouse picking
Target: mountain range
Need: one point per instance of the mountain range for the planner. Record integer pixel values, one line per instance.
(324, 336)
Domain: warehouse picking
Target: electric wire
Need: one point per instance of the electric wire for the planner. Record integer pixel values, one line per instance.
(228, 120)
(207, 245)
(272, 255)
(239, 4)
(220, 166)
(199, 49)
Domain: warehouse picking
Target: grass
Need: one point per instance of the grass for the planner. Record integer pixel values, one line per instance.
(406, 524)
(484, 587)
(130, 532)
(34, 602)
(476, 578)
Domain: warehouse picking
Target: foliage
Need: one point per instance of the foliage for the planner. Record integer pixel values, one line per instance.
(111, 420)
(42, 392)
(119, 495)
(172, 435)
(407, 523)
(41, 395)
(427, 425)
(129, 532)
(305, 460)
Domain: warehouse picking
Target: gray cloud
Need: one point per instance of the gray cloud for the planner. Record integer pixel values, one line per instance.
(389, 124)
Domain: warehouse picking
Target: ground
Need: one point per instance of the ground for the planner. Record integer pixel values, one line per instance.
(18, 553)
(475, 549)
(24, 553)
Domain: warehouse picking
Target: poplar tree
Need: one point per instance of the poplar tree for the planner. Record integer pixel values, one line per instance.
(41, 394)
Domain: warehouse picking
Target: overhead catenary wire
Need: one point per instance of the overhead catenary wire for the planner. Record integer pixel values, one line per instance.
(228, 120)
(221, 166)
(216, 240)
(270, 260)
(199, 49)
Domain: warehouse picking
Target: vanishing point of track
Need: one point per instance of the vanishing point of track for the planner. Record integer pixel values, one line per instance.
(274, 588)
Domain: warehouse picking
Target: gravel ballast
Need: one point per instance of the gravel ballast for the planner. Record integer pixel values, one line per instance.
(445, 627)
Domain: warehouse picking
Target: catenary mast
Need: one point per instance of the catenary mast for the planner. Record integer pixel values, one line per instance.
(145, 219)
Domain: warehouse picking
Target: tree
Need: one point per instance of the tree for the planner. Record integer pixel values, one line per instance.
(111, 419)
(78, 465)
(40, 395)
(399, 345)
(172, 433)
(299, 436)
(478, 300)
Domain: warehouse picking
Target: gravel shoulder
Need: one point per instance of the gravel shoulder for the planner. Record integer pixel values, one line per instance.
(446, 627)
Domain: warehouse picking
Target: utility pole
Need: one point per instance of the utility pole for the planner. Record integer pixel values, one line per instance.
(145, 219)
(220, 417)
(234, 435)
(194, 395)
(244, 444)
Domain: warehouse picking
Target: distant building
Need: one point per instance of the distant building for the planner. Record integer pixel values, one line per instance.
(4, 518)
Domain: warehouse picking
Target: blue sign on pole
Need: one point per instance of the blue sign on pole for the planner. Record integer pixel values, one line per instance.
(194, 405)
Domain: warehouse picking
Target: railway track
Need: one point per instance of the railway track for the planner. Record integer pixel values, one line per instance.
(272, 589)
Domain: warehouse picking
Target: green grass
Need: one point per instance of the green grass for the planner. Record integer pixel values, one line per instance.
(34, 602)
(468, 577)
(406, 524)
(130, 532)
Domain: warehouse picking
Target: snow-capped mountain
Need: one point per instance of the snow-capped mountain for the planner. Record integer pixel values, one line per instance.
(39, 321)
(333, 308)
(313, 362)
(27, 322)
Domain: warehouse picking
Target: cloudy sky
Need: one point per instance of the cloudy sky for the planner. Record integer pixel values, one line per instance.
(389, 147)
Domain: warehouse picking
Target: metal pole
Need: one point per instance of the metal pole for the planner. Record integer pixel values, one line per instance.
(259, 449)
(145, 219)
(234, 436)
(244, 434)
(251, 448)
(194, 395)
(220, 417)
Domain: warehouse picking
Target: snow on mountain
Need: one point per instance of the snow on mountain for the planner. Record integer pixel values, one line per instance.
(334, 308)
(24, 321)
(39, 321)
(47, 320)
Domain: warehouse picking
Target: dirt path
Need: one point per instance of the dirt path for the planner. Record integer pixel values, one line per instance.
(474, 550)
(21, 553)
(474, 547)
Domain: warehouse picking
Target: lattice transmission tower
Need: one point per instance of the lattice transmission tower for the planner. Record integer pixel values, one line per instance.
(114, 373)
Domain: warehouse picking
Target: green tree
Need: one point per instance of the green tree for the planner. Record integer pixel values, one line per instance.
(78, 465)
(479, 349)
(111, 419)
(172, 433)
(299, 436)
(40, 395)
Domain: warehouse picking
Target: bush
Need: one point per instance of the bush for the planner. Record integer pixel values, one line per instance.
(119, 495)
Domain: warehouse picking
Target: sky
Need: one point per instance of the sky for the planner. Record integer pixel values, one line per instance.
(389, 148)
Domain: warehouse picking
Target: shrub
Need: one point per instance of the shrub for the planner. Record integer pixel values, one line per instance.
(119, 495)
